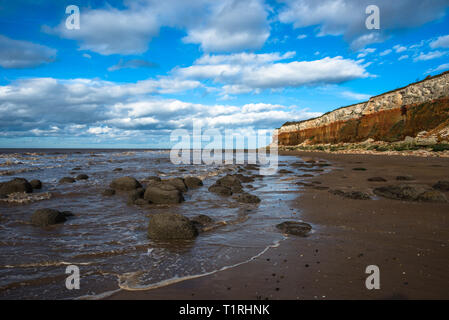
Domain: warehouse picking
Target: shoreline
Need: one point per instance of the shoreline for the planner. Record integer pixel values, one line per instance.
(407, 240)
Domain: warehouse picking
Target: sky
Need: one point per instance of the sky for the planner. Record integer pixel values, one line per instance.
(136, 71)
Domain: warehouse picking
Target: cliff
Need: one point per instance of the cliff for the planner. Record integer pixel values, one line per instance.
(420, 108)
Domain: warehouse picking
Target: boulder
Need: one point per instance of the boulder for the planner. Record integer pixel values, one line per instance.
(117, 169)
(193, 182)
(410, 192)
(355, 195)
(108, 192)
(202, 219)
(442, 186)
(15, 185)
(220, 190)
(432, 196)
(247, 198)
(125, 184)
(140, 202)
(178, 183)
(244, 179)
(135, 195)
(82, 177)
(153, 180)
(36, 184)
(67, 180)
(171, 226)
(163, 193)
(230, 182)
(46, 217)
(295, 228)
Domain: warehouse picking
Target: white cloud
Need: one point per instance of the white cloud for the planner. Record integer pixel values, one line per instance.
(442, 67)
(52, 107)
(398, 48)
(441, 42)
(429, 56)
(111, 31)
(347, 17)
(228, 25)
(23, 54)
(266, 72)
(386, 52)
(232, 26)
(403, 57)
(365, 52)
(301, 36)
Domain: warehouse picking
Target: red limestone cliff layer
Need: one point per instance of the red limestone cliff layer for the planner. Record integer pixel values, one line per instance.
(393, 116)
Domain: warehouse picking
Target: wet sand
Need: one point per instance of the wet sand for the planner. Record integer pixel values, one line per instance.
(409, 241)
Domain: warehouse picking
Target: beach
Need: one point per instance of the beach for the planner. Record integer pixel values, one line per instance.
(407, 240)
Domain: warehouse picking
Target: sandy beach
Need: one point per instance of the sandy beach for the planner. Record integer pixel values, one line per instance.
(407, 240)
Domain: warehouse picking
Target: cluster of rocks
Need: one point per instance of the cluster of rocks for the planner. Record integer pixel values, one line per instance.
(414, 192)
(18, 185)
(232, 184)
(157, 191)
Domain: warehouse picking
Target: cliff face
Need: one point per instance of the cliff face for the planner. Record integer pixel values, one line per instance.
(393, 116)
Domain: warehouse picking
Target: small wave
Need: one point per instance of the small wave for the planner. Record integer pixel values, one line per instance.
(129, 281)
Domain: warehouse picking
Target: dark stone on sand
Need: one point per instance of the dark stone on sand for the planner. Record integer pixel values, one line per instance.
(125, 184)
(247, 198)
(405, 178)
(442, 186)
(108, 192)
(15, 185)
(410, 192)
(355, 195)
(178, 183)
(359, 169)
(82, 177)
(193, 182)
(36, 184)
(171, 226)
(432, 196)
(67, 180)
(295, 228)
(163, 193)
(46, 217)
(220, 190)
(377, 179)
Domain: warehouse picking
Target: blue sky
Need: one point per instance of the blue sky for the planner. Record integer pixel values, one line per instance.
(137, 70)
